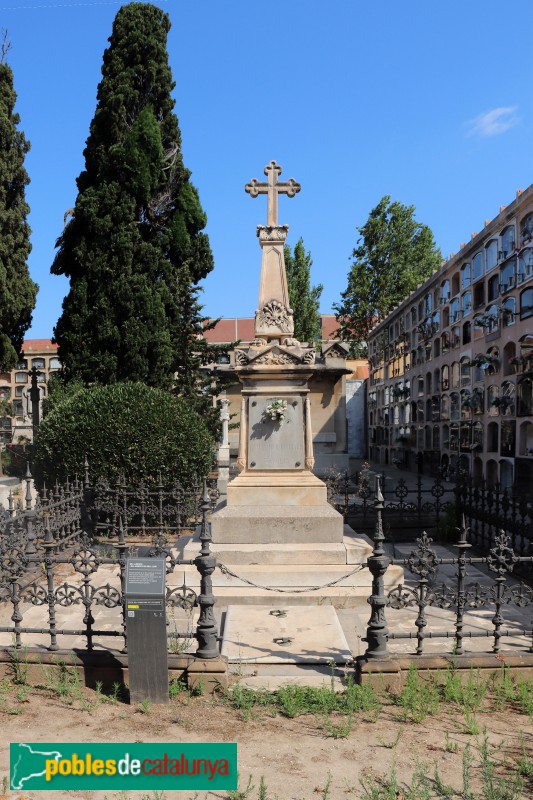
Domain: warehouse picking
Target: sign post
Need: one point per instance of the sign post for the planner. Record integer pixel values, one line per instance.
(146, 629)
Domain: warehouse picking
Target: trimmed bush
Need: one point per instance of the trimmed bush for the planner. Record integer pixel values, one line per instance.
(124, 429)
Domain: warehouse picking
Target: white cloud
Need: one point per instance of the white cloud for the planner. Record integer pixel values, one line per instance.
(493, 122)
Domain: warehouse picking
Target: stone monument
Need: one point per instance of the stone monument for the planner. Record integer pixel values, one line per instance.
(276, 499)
(276, 538)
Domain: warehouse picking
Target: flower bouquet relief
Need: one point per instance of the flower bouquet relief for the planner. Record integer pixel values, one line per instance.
(276, 411)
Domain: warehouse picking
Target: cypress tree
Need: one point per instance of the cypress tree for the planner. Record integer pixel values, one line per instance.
(134, 249)
(17, 290)
(303, 298)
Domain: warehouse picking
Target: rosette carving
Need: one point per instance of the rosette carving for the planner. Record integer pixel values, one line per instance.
(275, 315)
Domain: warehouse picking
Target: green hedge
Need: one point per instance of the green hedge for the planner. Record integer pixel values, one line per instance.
(124, 428)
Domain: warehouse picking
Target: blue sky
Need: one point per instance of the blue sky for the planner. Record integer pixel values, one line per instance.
(428, 102)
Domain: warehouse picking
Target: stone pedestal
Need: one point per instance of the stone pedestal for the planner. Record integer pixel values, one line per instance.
(276, 499)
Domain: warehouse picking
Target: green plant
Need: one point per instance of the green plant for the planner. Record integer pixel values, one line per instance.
(338, 730)
(262, 789)
(18, 660)
(62, 681)
(325, 791)
(303, 298)
(134, 249)
(386, 788)
(525, 763)
(449, 746)
(444, 790)
(116, 692)
(22, 694)
(123, 429)
(496, 788)
(144, 706)
(390, 745)
(178, 644)
(418, 698)
(470, 724)
(198, 690)
(176, 687)
(241, 794)
(524, 695)
(17, 288)
(467, 763)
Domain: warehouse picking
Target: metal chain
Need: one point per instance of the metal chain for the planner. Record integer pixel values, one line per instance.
(227, 571)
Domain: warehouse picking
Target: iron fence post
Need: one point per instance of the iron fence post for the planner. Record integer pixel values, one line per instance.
(462, 545)
(377, 631)
(206, 628)
(49, 545)
(122, 549)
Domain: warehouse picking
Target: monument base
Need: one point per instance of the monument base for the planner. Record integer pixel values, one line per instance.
(276, 524)
(277, 488)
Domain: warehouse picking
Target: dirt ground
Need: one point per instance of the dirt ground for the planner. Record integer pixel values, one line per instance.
(299, 759)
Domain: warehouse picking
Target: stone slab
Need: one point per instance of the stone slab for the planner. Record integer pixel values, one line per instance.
(274, 445)
(315, 633)
(276, 524)
(281, 488)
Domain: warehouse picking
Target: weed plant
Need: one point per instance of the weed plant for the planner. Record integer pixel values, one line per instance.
(294, 701)
(19, 665)
(419, 697)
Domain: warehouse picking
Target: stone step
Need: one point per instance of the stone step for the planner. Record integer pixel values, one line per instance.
(289, 576)
(352, 550)
(314, 678)
(277, 524)
(288, 635)
(349, 592)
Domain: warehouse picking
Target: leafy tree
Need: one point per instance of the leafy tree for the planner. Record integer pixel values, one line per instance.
(394, 254)
(125, 428)
(17, 290)
(133, 249)
(303, 298)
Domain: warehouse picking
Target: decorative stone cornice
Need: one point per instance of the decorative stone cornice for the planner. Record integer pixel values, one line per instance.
(275, 354)
(272, 233)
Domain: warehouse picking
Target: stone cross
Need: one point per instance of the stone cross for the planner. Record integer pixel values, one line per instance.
(272, 188)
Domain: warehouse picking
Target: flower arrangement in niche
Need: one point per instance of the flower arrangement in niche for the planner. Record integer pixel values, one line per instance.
(276, 410)
(484, 361)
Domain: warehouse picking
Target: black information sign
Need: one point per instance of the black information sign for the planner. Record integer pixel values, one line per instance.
(146, 628)
(145, 576)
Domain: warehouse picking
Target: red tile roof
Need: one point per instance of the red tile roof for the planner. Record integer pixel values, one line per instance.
(233, 329)
(38, 345)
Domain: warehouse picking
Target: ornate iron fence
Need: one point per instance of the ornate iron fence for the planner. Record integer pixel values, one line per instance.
(145, 510)
(62, 533)
(354, 497)
(488, 511)
(461, 597)
(420, 505)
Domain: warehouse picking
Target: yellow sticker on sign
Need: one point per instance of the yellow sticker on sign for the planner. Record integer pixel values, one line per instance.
(132, 606)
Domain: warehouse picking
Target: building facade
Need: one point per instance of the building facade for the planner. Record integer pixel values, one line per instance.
(450, 390)
(15, 387)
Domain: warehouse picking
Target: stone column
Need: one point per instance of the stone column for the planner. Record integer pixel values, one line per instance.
(223, 454)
